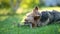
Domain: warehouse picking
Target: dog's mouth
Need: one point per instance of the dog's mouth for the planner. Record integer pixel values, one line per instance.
(27, 23)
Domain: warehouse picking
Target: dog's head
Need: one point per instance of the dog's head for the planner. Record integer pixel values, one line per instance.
(34, 16)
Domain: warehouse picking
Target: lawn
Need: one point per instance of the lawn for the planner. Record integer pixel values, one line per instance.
(8, 23)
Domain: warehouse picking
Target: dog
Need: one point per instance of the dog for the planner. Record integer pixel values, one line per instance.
(36, 18)
(32, 18)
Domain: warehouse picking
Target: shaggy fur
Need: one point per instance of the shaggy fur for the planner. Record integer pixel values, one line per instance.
(36, 18)
(33, 18)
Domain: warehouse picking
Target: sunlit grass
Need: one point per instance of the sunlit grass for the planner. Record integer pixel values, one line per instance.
(41, 9)
(51, 8)
(2, 18)
(7, 25)
(19, 11)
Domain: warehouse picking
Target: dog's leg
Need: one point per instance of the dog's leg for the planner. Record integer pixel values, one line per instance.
(38, 23)
(30, 25)
(35, 24)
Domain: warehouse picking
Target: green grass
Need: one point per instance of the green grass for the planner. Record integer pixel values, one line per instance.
(50, 29)
(8, 24)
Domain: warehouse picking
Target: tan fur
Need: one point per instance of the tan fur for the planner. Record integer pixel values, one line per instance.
(33, 17)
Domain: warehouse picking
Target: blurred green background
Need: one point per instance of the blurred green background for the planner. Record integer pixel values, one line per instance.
(13, 12)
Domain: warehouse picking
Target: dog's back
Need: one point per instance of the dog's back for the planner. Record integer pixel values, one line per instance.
(49, 17)
(56, 15)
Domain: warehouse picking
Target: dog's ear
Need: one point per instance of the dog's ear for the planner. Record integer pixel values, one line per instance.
(35, 11)
(36, 8)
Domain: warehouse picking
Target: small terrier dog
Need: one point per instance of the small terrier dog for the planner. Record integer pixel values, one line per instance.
(36, 18)
(33, 18)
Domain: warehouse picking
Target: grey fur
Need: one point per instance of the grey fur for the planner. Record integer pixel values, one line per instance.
(47, 17)
(53, 16)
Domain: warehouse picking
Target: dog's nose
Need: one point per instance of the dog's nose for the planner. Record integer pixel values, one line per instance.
(25, 22)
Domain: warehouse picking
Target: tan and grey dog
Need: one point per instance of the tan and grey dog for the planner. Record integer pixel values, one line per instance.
(36, 18)
(33, 18)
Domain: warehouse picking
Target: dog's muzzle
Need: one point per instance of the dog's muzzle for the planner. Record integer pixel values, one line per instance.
(27, 23)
